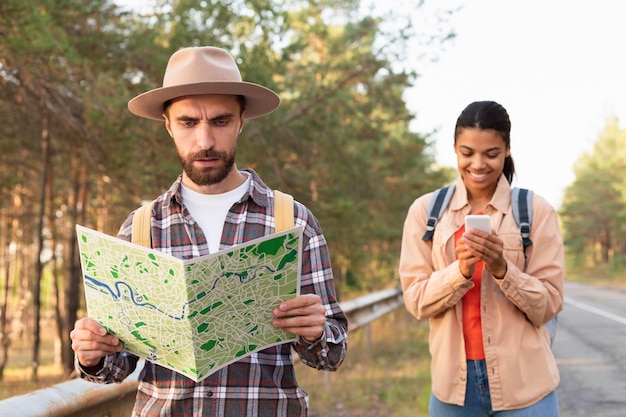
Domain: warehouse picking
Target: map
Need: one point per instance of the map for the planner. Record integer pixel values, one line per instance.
(193, 316)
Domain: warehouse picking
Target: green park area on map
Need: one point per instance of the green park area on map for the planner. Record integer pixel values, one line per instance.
(193, 316)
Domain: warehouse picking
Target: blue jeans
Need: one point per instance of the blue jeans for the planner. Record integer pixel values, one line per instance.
(478, 400)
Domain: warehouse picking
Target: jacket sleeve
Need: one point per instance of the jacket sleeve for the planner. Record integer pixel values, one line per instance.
(428, 290)
(329, 351)
(115, 368)
(538, 291)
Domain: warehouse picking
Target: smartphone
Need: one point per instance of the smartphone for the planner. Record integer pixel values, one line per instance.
(479, 222)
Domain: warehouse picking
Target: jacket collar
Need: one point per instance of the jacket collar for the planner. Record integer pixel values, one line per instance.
(500, 200)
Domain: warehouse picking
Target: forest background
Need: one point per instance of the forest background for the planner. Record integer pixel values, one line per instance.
(340, 142)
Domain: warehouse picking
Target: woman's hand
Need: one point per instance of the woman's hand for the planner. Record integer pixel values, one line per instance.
(467, 258)
(481, 246)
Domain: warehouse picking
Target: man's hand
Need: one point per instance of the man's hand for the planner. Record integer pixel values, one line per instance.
(91, 342)
(303, 315)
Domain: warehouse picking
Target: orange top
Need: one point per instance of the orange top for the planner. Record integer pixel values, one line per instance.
(472, 326)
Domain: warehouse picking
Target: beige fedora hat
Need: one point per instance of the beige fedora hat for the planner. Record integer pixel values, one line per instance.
(203, 70)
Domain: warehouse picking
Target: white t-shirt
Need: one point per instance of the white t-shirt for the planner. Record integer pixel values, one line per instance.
(210, 210)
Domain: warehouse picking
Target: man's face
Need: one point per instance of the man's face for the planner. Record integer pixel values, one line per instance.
(205, 129)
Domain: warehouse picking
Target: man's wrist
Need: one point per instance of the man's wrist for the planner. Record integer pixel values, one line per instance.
(310, 343)
(92, 370)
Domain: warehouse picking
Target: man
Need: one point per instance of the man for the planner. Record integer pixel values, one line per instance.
(212, 206)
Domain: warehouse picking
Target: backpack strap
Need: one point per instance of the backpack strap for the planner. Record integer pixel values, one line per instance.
(142, 219)
(283, 211)
(142, 225)
(437, 205)
(522, 204)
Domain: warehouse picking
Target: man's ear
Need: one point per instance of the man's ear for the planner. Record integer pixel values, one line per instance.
(167, 125)
(242, 120)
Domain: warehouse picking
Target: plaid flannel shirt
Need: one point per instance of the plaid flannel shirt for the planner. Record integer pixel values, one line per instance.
(264, 383)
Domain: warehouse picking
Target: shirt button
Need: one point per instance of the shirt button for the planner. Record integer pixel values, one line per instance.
(209, 393)
(506, 285)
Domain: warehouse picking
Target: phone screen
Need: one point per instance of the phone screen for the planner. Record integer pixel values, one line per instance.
(479, 222)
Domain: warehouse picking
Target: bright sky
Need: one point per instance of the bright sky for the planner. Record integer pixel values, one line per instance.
(557, 66)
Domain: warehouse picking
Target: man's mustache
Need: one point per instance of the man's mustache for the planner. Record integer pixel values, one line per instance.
(208, 154)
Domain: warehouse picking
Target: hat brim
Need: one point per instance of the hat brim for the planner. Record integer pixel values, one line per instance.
(259, 100)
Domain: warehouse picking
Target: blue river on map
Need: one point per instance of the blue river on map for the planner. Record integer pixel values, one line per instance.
(117, 292)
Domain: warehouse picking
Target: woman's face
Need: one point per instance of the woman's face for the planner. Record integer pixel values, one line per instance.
(480, 158)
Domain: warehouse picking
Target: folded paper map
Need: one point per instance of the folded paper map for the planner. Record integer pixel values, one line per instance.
(193, 316)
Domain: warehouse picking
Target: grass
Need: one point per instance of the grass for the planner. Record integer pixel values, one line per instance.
(389, 376)
(17, 381)
(600, 275)
(17, 375)
(386, 372)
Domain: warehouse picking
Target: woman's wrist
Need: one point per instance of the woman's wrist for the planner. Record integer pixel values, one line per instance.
(499, 276)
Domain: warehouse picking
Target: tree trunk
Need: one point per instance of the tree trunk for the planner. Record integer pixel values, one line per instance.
(62, 333)
(76, 205)
(45, 158)
(5, 310)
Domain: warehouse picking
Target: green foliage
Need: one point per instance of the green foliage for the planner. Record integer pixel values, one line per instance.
(340, 141)
(594, 206)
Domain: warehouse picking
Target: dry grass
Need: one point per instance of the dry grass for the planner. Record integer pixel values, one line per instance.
(17, 376)
(390, 378)
(17, 381)
(385, 377)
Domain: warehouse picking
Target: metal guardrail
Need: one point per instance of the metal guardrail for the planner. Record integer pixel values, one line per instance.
(364, 310)
(79, 398)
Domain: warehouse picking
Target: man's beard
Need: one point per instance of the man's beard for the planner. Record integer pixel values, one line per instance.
(208, 176)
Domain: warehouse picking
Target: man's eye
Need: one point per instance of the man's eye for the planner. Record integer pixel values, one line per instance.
(220, 122)
(189, 123)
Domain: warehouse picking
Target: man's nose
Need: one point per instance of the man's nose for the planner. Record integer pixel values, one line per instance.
(204, 136)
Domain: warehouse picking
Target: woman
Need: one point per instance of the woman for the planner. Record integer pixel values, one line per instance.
(487, 298)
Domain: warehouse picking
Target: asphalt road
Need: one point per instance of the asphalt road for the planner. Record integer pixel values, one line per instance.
(590, 348)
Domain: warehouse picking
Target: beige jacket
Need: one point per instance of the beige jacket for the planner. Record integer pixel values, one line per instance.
(520, 363)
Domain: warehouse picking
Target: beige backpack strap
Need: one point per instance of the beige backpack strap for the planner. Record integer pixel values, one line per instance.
(283, 211)
(142, 225)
